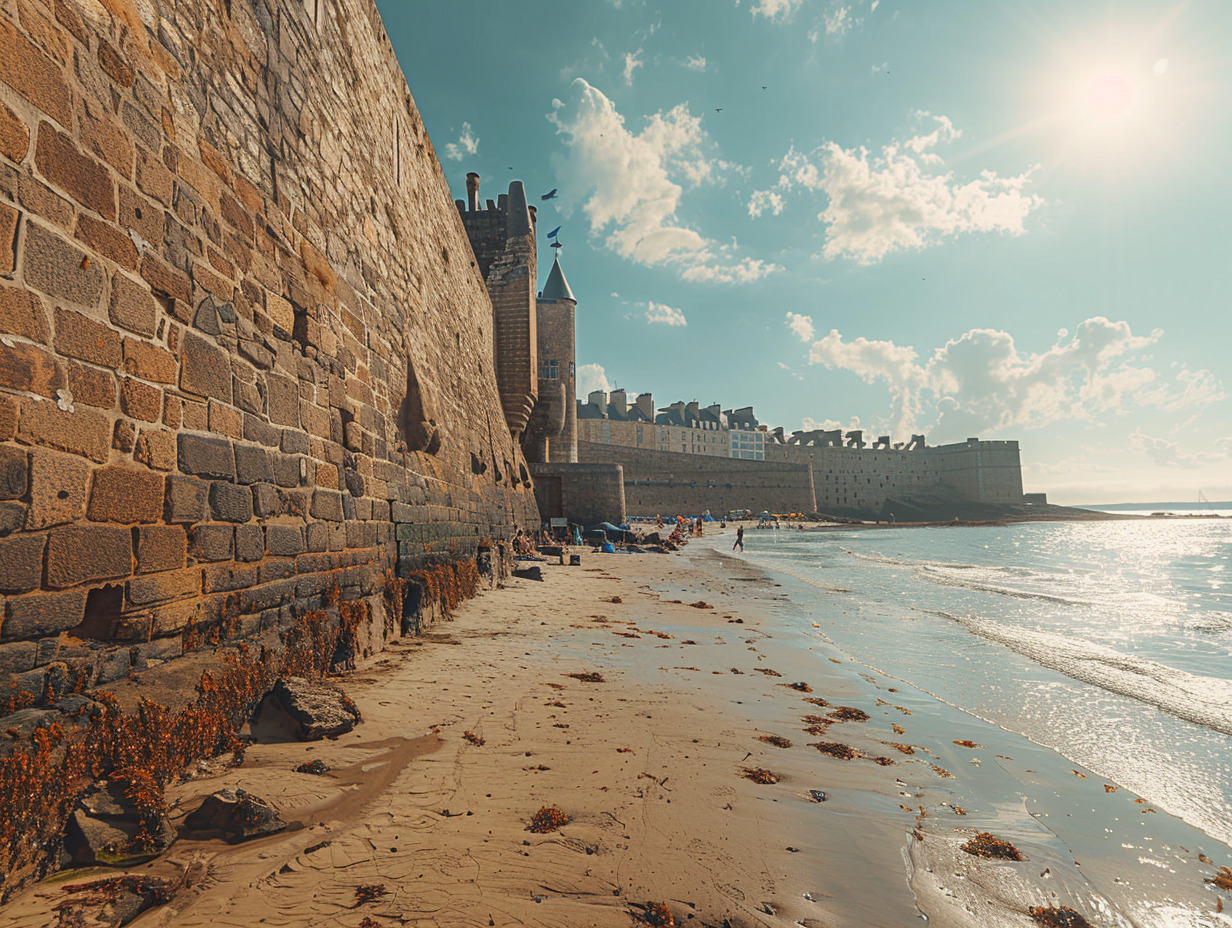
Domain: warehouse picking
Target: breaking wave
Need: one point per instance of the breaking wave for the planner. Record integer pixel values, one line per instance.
(1202, 700)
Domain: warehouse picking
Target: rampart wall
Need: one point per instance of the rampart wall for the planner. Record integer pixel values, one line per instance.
(246, 364)
(860, 479)
(669, 483)
(867, 480)
(985, 471)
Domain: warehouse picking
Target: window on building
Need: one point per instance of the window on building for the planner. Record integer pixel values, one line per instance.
(572, 371)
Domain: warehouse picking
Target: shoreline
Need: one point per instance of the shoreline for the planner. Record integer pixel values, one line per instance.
(647, 764)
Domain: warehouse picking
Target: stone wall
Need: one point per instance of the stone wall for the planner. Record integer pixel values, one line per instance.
(502, 239)
(585, 494)
(865, 481)
(983, 471)
(557, 343)
(860, 480)
(246, 363)
(669, 483)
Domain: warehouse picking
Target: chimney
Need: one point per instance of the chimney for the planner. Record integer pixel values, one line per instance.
(645, 403)
(620, 401)
(472, 191)
(695, 412)
(598, 398)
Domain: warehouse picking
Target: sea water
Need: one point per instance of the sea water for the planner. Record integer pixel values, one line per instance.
(1109, 643)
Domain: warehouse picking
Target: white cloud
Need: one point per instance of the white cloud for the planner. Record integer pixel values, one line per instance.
(743, 271)
(1168, 453)
(982, 382)
(1197, 389)
(659, 314)
(626, 184)
(839, 20)
(763, 200)
(467, 144)
(801, 326)
(902, 199)
(809, 424)
(633, 61)
(591, 377)
(695, 63)
(775, 10)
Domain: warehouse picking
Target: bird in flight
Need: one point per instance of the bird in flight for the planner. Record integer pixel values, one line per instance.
(550, 195)
(718, 109)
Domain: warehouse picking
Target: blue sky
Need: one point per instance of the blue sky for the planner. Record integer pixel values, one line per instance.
(978, 218)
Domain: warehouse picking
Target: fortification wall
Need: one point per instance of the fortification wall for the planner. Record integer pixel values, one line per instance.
(984, 471)
(664, 482)
(585, 494)
(852, 480)
(246, 364)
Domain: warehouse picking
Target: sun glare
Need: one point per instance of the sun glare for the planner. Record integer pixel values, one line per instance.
(1115, 94)
(1109, 95)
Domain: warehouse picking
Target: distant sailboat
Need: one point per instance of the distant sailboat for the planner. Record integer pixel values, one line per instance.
(1203, 501)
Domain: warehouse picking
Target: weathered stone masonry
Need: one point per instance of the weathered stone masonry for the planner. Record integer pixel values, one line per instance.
(245, 353)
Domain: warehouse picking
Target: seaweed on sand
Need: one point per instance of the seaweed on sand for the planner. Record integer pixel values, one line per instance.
(777, 740)
(369, 892)
(849, 714)
(1058, 917)
(835, 749)
(592, 677)
(547, 819)
(759, 775)
(768, 672)
(473, 738)
(798, 687)
(1222, 878)
(658, 915)
(992, 847)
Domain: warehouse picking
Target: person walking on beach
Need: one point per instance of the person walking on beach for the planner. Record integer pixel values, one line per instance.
(739, 539)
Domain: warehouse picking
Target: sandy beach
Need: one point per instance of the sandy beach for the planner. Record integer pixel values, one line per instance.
(630, 693)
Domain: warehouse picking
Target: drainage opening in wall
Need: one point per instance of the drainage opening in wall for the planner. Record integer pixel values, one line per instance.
(104, 607)
(412, 596)
(419, 429)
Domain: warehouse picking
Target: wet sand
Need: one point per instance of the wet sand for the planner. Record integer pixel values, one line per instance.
(648, 765)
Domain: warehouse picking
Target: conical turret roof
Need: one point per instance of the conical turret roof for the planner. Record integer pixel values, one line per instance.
(557, 288)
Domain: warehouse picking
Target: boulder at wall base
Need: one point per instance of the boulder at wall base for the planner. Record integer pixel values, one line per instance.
(233, 815)
(102, 827)
(318, 710)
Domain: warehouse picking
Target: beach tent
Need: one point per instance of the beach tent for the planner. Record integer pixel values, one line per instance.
(612, 532)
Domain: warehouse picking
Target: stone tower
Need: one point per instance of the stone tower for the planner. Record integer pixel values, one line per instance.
(503, 239)
(557, 367)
